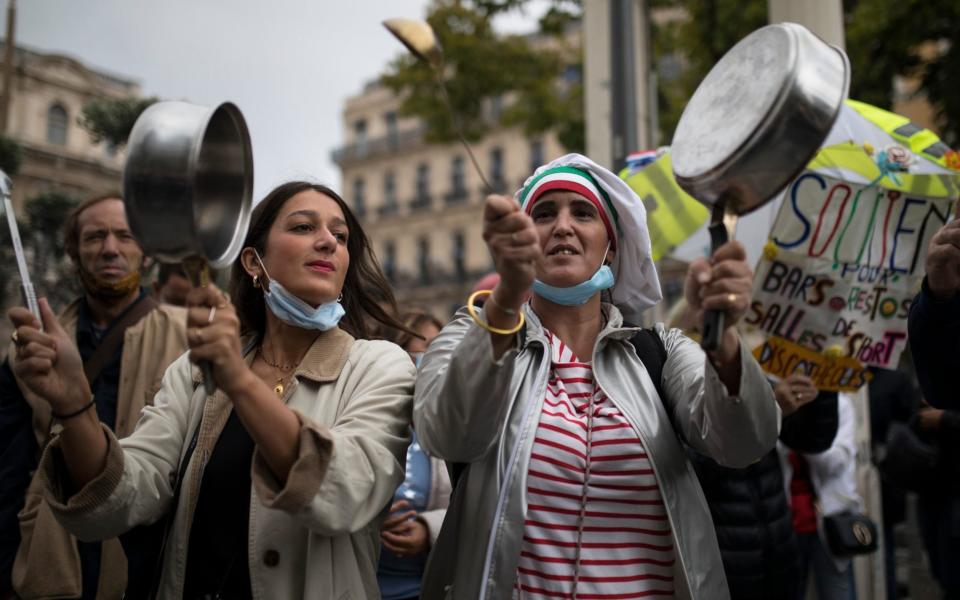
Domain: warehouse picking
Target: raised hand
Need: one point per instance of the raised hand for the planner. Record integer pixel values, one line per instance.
(943, 261)
(724, 283)
(213, 335)
(515, 246)
(47, 362)
(793, 392)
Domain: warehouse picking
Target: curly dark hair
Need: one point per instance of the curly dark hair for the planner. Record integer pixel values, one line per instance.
(367, 297)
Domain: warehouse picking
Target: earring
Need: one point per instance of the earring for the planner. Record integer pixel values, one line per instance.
(340, 297)
(256, 281)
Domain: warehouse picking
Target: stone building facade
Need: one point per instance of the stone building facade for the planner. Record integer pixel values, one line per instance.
(49, 91)
(422, 203)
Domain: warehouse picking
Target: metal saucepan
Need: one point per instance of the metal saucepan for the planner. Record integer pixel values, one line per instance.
(188, 187)
(753, 124)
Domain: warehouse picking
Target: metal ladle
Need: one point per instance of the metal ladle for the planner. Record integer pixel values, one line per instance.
(421, 41)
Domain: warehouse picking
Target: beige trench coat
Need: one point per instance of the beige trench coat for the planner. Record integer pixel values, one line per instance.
(149, 346)
(316, 536)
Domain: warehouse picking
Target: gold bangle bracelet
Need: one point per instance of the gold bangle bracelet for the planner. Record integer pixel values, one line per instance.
(473, 314)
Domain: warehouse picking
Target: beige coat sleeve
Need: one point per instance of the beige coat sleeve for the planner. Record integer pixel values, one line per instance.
(346, 474)
(136, 485)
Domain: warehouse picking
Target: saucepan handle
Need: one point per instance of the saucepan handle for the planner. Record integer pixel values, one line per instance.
(713, 319)
(198, 271)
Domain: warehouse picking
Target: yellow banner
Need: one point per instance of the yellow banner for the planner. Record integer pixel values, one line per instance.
(672, 214)
(829, 371)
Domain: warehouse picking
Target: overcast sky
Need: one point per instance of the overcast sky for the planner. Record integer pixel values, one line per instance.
(288, 64)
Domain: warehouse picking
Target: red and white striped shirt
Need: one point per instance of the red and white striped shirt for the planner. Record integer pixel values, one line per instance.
(596, 527)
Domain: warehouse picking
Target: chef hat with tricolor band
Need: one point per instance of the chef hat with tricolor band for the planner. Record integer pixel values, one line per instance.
(637, 285)
(574, 180)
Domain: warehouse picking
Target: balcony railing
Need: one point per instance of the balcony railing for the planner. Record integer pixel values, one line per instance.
(382, 146)
(456, 196)
(423, 202)
(388, 210)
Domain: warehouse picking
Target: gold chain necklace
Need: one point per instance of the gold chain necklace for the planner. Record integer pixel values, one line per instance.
(284, 370)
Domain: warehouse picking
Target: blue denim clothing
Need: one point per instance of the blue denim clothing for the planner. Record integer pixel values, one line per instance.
(399, 577)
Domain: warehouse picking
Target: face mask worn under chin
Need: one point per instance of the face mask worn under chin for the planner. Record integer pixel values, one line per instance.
(294, 311)
(576, 295)
(104, 289)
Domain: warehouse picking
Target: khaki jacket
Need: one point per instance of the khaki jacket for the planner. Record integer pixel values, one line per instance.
(316, 536)
(149, 346)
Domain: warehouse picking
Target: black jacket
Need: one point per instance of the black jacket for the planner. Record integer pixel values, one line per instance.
(893, 397)
(18, 459)
(934, 335)
(751, 512)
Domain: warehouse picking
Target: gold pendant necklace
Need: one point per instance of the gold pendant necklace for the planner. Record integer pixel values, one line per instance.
(278, 387)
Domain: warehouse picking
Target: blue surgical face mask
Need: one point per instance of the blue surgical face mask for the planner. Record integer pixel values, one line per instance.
(417, 358)
(294, 311)
(576, 295)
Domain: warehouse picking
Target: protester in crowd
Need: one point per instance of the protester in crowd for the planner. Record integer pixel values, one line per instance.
(749, 506)
(934, 321)
(420, 503)
(576, 482)
(171, 285)
(125, 342)
(938, 506)
(824, 483)
(893, 399)
(282, 476)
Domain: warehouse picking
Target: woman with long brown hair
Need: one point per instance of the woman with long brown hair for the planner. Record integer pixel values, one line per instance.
(278, 481)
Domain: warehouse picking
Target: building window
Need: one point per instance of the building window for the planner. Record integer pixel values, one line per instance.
(496, 169)
(458, 186)
(390, 119)
(390, 260)
(359, 197)
(422, 198)
(496, 108)
(423, 259)
(389, 206)
(360, 136)
(536, 155)
(572, 74)
(670, 67)
(57, 125)
(459, 256)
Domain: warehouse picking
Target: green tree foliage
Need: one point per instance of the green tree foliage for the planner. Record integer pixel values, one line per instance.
(483, 67)
(884, 38)
(112, 119)
(909, 38)
(713, 27)
(10, 155)
(50, 267)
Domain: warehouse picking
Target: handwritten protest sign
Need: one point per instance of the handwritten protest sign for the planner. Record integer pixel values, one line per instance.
(838, 275)
(780, 357)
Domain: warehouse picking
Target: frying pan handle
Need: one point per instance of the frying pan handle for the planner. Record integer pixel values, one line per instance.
(198, 272)
(713, 319)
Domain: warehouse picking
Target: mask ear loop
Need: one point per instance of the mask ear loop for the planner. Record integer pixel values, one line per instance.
(603, 260)
(266, 276)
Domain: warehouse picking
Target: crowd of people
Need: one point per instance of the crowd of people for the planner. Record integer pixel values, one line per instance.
(541, 444)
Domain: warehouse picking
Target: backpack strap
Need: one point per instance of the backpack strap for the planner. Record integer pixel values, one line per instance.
(653, 355)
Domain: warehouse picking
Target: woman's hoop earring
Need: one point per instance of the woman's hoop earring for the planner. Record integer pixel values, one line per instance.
(256, 281)
(340, 297)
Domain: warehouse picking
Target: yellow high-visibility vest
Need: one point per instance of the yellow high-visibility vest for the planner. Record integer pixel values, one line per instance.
(672, 214)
